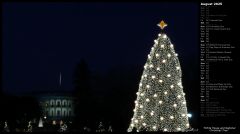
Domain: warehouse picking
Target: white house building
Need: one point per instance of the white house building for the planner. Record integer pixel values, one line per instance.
(57, 107)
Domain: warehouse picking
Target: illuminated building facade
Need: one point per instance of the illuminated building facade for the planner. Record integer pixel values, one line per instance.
(57, 107)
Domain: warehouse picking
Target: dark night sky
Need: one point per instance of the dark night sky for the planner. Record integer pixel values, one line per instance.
(42, 39)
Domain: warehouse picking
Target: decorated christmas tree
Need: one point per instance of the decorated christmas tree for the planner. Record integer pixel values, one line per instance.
(100, 128)
(160, 103)
(63, 127)
(29, 127)
(40, 124)
(6, 129)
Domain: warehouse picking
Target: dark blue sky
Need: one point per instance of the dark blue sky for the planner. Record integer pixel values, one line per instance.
(42, 39)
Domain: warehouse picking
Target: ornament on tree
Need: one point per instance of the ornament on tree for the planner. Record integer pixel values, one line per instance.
(160, 103)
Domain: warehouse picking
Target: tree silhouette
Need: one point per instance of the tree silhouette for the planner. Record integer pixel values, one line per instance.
(82, 92)
(82, 79)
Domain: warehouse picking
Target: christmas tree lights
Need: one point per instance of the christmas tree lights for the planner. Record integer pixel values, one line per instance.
(160, 103)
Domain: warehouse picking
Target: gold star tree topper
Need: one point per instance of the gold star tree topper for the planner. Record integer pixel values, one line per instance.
(162, 24)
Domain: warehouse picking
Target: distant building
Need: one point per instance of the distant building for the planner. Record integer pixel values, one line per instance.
(57, 107)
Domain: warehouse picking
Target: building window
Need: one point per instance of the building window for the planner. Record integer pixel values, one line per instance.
(64, 103)
(58, 113)
(52, 113)
(64, 113)
(52, 103)
(69, 103)
(58, 103)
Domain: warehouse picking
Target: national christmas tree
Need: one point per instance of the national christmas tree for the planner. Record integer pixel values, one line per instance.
(160, 103)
